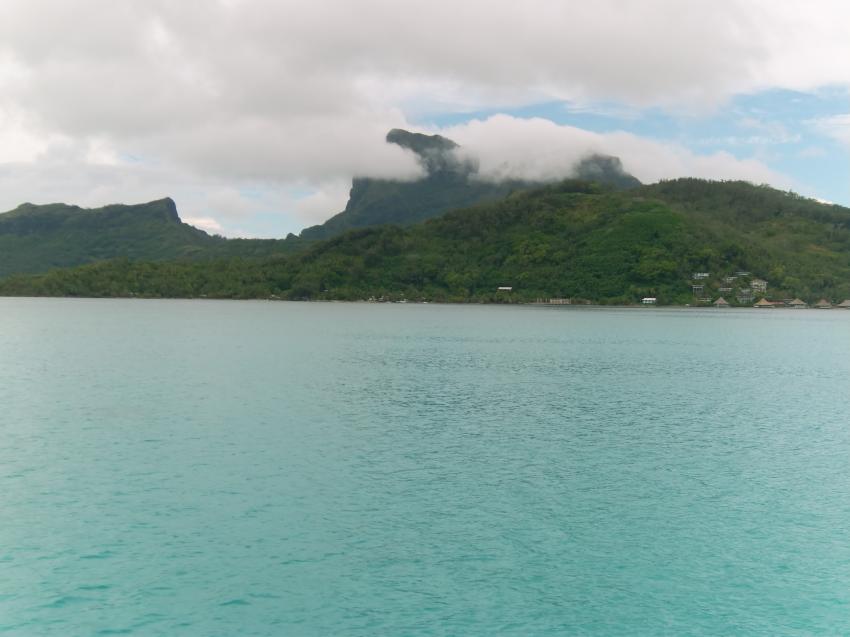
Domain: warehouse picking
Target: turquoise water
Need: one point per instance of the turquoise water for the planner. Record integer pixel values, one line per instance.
(225, 468)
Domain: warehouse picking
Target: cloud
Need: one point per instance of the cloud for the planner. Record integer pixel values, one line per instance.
(327, 200)
(143, 99)
(207, 224)
(812, 152)
(17, 143)
(836, 127)
(540, 150)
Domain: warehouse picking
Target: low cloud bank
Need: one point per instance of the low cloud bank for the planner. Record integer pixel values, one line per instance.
(507, 147)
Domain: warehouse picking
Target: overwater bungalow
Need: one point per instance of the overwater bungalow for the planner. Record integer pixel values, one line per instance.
(823, 304)
(764, 304)
(798, 304)
(844, 305)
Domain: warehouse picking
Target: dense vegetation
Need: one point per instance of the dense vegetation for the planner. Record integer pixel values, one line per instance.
(38, 238)
(575, 239)
(801, 246)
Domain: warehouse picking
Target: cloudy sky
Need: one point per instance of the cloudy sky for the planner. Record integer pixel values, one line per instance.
(255, 114)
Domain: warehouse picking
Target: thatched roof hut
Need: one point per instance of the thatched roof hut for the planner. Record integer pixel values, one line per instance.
(764, 304)
(844, 305)
(798, 304)
(823, 304)
(721, 302)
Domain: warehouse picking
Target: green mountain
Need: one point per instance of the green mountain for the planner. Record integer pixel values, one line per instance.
(449, 183)
(39, 238)
(574, 240)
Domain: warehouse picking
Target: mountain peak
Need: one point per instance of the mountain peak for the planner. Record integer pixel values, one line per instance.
(434, 152)
(419, 143)
(169, 206)
(605, 169)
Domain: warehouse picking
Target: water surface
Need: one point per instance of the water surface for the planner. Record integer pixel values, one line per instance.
(210, 468)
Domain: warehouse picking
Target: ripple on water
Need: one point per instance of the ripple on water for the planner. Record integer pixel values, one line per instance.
(207, 469)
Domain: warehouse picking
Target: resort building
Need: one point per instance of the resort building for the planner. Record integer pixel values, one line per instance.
(758, 286)
(823, 304)
(798, 304)
(764, 304)
(649, 300)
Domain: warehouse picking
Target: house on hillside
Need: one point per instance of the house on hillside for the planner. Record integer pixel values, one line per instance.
(759, 286)
(745, 296)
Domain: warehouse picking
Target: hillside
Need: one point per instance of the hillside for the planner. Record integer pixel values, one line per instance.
(36, 239)
(39, 238)
(449, 183)
(572, 240)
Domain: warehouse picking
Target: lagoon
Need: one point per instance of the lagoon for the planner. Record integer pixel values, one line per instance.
(210, 468)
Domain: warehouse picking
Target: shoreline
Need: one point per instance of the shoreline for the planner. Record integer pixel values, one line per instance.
(565, 306)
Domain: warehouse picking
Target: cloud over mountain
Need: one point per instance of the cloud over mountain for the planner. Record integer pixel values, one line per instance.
(539, 150)
(286, 96)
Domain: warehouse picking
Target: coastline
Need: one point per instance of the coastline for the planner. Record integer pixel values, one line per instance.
(558, 306)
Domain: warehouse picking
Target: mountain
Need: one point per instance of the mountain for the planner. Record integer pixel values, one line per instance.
(573, 240)
(450, 182)
(607, 170)
(38, 238)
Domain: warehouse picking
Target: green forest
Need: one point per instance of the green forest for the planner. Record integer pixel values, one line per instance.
(576, 239)
(38, 238)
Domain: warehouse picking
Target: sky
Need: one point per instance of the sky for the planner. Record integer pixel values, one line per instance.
(254, 115)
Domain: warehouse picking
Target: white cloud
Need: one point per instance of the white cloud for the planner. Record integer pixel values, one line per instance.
(837, 127)
(229, 203)
(812, 152)
(17, 141)
(539, 150)
(208, 224)
(327, 200)
(143, 99)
